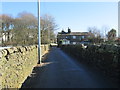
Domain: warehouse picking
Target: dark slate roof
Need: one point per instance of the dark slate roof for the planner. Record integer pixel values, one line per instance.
(74, 33)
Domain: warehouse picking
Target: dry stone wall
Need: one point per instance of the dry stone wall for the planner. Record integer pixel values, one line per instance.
(103, 57)
(17, 63)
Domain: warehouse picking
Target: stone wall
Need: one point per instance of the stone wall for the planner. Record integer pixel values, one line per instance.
(103, 57)
(17, 63)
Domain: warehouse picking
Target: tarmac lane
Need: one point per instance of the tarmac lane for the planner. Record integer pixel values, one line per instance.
(62, 71)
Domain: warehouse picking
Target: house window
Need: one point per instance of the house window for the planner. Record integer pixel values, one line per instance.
(80, 37)
(74, 37)
(65, 41)
(83, 37)
(74, 42)
(89, 36)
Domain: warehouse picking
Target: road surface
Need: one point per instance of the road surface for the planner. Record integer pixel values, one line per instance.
(61, 71)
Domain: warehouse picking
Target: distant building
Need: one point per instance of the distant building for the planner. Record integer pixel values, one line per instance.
(5, 36)
(117, 40)
(73, 37)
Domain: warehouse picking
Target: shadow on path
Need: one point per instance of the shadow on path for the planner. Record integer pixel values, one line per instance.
(59, 70)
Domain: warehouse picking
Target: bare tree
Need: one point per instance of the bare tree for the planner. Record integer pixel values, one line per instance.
(112, 35)
(48, 26)
(0, 30)
(6, 26)
(96, 35)
(25, 29)
(105, 29)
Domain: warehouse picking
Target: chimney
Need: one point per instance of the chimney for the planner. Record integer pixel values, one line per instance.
(69, 30)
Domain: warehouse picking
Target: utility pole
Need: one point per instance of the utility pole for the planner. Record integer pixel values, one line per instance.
(119, 22)
(39, 38)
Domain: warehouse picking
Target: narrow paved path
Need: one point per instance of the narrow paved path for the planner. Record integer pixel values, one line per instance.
(61, 71)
